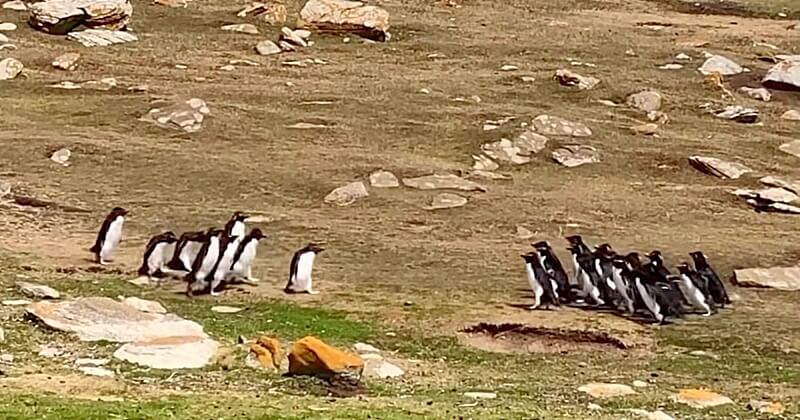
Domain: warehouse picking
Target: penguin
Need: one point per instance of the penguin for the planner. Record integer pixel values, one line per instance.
(646, 295)
(603, 256)
(716, 289)
(245, 254)
(619, 270)
(235, 226)
(156, 254)
(553, 266)
(300, 270)
(186, 251)
(693, 289)
(577, 247)
(587, 276)
(228, 246)
(205, 262)
(632, 261)
(539, 280)
(656, 266)
(109, 236)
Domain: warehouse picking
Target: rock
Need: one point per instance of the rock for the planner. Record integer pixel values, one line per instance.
(187, 115)
(573, 155)
(6, 358)
(50, 351)
(60, 17)
(671, 66)
(648, 129)
(792, 148)
(524, 233)
(347, 194)
(784, 76)
(306, 126)
(568, 78)
(10, 68)
(700, 398)
(365, 348)
(342, 16)
(170, 352)
(778, 195)
(310, 356)
(173, 3)
(489, 175)
(222, 309)
(7, 27)
(702, 353)
(268, 48)
(442, 182)
(16, 302)
(38, 291)
(791, 115)
(593, 406)
(683, 57)
(2, 335)
(61, 156)
(504, 150)
(720, 64)
(738, 113)
(3, 39)
(96, 371)
(792, 185)
(381, 369)
(555, 126)
(145, 305)
(288, 35)
(646, 101)
(639, 384)
(15, 5)
(483, 163)
(101, 37)
(446, 201)
(652, 415)
(768, 407)
(102, 318)
(383, 179)
(274, 13)
(91, 362)
(68, 61)
(245, 28)
(600, 390)
(267, 352)
(781, 278)
(481, 395)
(718, 167)
(509, 67)
(761, 94)
(529, 142)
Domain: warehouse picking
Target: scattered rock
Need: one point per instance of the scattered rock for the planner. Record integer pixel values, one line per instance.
(91, 362)
(222, 309)
(3, 39)
(646, 101)
(365, 348)
(2, 335)
(101, 37)
(568, 78)
(306, 126)
(342, 16)
(683, 57)
(488, 175)
(648, 129)
(700, 398)
(555, 126)
(228, 67)
(483, 163)
(16, 302)
(639, 384)
(446, 201)
(311, 356)
(144, 305)
(61, 156)
(68, 61)
(290, 36)
(187, 116)
(509, 67)
(506, 151)
(778, 195)
(7, 27)
(60, 17)
(768, 407)
(6, 358)
(721, 65)
(347, 194)
(481, 395)
(38, 291)
(170, 352)
(781, 278)
(382, 369)
(96, 371)
(652, 415)
(442, 182)
(791, 115)
(761, 94)
(10, 68)
(599, 390)
(383, 179)
(268, 48)
(785, 75)
(173, 3)
(738, 113)
(274, 13)
(17, 5)
(46, 350)
(792, 185)
(267, 352)
(702, 353)
(245, 28)
(671, 66)
(719, 167)
(572, 155)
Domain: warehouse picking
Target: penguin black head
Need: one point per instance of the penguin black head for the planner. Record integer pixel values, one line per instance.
(213, 231)
(528, 257)
(684, 268)
(314, 248)
(654, 254)
(618, 262)
(697, 256)
(633, 259)
(169, 237)
(256, 234)
(574, 239)
(119, 211)
(605, 251)
(238, 216)
(541, 245)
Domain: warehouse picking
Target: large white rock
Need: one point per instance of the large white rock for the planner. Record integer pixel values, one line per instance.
(719, 167)
(175, 352)
(720, 64)
(784, 75)
(700, 398)
(601, 390)
(339, 16)
(383, 179)
(186, 115)
(62, 16)
(10, 68)
(39, 291)
(347, 194)
(781, 278)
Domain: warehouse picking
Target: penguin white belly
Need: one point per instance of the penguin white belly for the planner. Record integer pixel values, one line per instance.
(693, 294)
(246, 258)
(189, 253)
(210, 259)
(305, 264)
(156, 259)
(649, 302)
(225, 262)
(537, 289)
(113, 236)
(238, 230)
(169, 250)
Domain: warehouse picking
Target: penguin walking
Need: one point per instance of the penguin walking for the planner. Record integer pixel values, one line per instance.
(693, 289)
(552, 265)
(245, 254)
(109, 236)
(300, 270)
(646, 296)
(716, 288)
(619, 277)
(156, 254)
(235, 226)
(656, 266)
(228, 246)
(587, 277)
(603, 257)
(205, 262)
(540, 281)
(186, 251)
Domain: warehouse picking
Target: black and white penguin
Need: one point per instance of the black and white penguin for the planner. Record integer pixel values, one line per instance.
(619, 275)
(235, 226)
(656, 266)
(245, 255)
(646, 295)
(156, 254)
(205, 262)
(228, 246)
(633, 261)
(586, 276)
(109, 236)
(300, 270)
(693, 288)
(540, 281)
(186, 251)
(603, 257)
(552, 265)
(716, 289)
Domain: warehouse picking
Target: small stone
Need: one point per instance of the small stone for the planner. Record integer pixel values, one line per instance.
(671, 66)
(509, 67)
(639, 384)
(10, 68)
(365, 348)
(762, 94)
(289, 36)
(228, 67)
(568, 78)
(16, 302)
(683, 57)
(652, 415)
(702, 353)
(143, 305)
(7, 27)
(187, 116)
(528, 79)
(593, 406)
(792, 148)
(648, 129)
(738, 113)
(768, 407)
(6, 358)
(91, 362)
(222, 309)
(721, 65)
(442, 181)
(574, 155)
(96, 371)
(17, 5)
(38, 291)
(785, 75)
(778, 195)
(630, 53)
(347, 194)
(700, 398)
(100, 37)
(381, 369)
(524, 233)
(791, 115)
(68, 61)
(483, 163)
(49, 351)
(600, 390)
(494, 176)
(425, 91)
(245, 28)
(646, 101)
(61, 156)
(446, 201)
(2, 335)
(481, 395)
(383, 179)
(268, 48)
(719, 167)
(3, 39)
(555, 126)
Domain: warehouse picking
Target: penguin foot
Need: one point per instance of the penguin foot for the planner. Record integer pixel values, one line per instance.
(313, 292)
(102, 262)
(532, 307)
(252, 280)
(213, 293)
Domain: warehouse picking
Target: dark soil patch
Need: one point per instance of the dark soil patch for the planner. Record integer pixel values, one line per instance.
(720, 8)
(519, 338)
(753, 79)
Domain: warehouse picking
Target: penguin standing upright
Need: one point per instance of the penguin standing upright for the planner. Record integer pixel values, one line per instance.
(553, 266)
(109, 236)
(300, 270)
(156, 254)
(619, 277)
(693, 289)
(245, 254)
(205, 262)
(716, 288)
(235, 226)
(227, 250)
(539, 280)
(646, 295)
(186, 250)
(603, 257)
(656, 266)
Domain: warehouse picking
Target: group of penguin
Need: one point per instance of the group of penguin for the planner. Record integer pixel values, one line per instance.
(207, 260)
(605, 279)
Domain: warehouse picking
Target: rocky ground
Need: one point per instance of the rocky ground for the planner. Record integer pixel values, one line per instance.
(427, 154)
